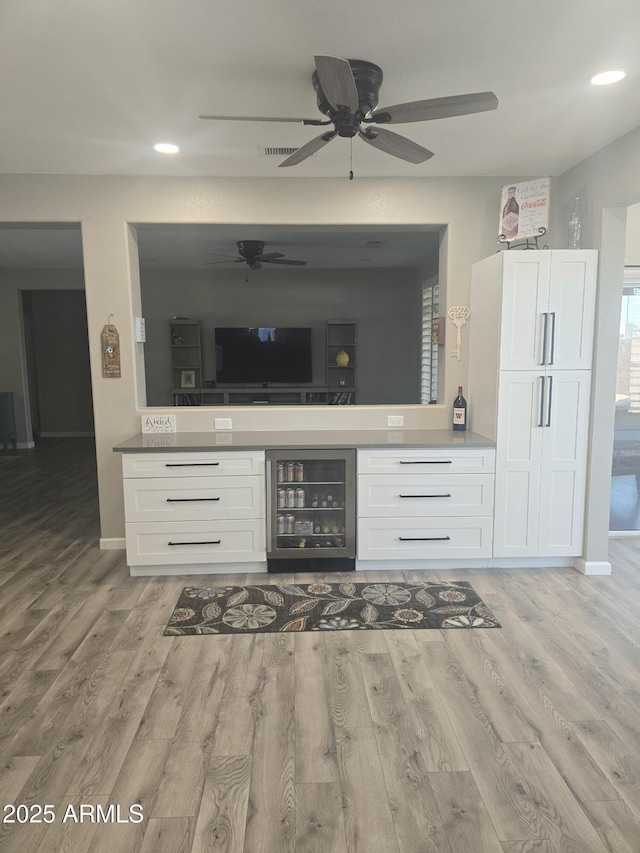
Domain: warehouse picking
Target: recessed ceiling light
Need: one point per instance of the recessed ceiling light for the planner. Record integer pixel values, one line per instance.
(607, 77)
(166, 148)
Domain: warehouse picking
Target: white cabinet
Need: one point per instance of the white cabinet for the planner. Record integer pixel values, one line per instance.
(547, 311)
(421, 504)
(529, 389)
(185, 510)
(540, 463)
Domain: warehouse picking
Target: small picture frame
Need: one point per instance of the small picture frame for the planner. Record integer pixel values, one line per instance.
(188, 379)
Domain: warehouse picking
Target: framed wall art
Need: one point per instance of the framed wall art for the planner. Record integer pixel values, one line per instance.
(188, 379)
(524, 210)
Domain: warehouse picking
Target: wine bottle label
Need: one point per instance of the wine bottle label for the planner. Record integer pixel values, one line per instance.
(459, 416)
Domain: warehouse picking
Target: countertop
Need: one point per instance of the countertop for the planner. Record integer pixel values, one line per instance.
(301, 439)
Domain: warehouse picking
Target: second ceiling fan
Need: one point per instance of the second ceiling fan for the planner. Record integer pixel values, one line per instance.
(252, 254)
(347, 93)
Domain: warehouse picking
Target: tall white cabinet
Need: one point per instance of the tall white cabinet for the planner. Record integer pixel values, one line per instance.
(531, 343)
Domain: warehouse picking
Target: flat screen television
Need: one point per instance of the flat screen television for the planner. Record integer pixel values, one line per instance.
(260, 355)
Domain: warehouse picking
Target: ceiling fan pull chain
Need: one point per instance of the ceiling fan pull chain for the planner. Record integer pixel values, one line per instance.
(351, 158)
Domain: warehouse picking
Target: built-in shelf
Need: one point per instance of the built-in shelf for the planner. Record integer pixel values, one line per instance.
(247, 396)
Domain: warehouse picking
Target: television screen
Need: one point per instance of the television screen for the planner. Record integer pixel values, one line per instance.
(263, 355)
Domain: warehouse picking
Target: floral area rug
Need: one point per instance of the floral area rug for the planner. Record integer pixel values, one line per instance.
(327, 607)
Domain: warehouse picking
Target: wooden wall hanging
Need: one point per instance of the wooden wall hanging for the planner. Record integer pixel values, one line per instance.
(110, 340)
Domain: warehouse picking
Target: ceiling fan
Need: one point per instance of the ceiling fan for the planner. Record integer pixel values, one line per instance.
(252, 253)
(347, 93)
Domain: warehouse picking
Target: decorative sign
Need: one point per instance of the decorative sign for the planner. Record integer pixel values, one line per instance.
(110, 341)
(158, 423)
(524, 210)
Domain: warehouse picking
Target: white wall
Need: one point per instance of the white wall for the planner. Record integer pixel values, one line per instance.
(105, 207)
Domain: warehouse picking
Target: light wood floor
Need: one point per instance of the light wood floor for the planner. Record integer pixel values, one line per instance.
(519, 740)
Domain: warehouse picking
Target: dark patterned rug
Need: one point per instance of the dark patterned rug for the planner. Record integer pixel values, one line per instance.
(327, 607)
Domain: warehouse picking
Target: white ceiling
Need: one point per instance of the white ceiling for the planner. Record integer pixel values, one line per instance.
(89, 87)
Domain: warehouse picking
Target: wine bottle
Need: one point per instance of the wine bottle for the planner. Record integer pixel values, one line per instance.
(459, 411)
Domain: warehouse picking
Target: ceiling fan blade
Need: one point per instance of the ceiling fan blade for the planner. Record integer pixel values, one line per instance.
(393, 143)
(286, 261)
(264, 118)
(309, 149)
(336, 79)
(270, 256)
(432, 108)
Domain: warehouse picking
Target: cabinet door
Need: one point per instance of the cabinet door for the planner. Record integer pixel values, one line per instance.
(564, 459)
(518, 463)
(525, 298)
(571, 309)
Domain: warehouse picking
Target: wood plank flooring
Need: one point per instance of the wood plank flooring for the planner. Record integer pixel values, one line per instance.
(519, 740)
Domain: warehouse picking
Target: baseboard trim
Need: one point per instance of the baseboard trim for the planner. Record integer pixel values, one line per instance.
(468, 563)
(113, 544)
(198, 569)
(593, 567)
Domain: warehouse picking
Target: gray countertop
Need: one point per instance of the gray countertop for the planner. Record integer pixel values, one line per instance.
(301, 439)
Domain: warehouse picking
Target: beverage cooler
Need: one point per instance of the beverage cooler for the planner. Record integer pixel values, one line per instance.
(311, 510)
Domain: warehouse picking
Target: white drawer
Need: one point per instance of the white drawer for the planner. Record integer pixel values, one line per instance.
(184, 542)
(410, 495)
(193, 464)
(420, 539)
(193, 498)
(435, 460)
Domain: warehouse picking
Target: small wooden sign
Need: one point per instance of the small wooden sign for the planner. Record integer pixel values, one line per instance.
(110, 340)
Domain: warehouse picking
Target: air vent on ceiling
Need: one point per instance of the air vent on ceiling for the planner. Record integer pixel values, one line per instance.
(374, 244)
(278, 151)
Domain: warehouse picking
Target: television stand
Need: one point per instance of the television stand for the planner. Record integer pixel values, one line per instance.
(274, 395)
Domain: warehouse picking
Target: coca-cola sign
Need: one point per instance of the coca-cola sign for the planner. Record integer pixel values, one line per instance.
(524, 210)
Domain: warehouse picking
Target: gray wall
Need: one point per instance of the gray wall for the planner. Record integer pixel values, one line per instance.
(607, 183)
(61, 355)
(384, 302)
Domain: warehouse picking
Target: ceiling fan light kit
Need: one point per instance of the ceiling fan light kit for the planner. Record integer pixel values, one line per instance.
(347, 93)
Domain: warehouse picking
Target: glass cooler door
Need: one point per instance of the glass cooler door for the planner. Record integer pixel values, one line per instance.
(311, 503)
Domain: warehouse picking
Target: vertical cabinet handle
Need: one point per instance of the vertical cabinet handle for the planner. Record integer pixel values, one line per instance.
(548, 423)
(545, 332)
(553, 337)
(541, 418)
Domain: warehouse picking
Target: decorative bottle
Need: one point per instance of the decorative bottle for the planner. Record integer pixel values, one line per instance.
(575, 227)
(511, 215)
(459, 411)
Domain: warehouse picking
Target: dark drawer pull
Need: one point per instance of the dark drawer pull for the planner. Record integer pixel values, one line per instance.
(190, 464)
(424, 538)
(213, 542)
(189, 500)
(427, 462)
(425, 496)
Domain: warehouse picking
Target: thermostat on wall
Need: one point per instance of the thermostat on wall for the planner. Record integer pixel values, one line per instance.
(141, 335)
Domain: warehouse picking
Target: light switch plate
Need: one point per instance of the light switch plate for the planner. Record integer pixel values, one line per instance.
(141, 333)
(395, 420)
(222, 423)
